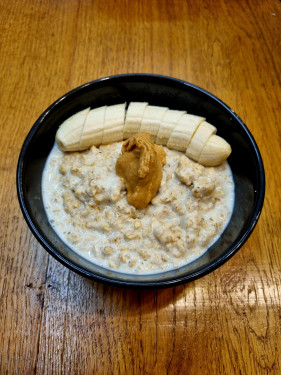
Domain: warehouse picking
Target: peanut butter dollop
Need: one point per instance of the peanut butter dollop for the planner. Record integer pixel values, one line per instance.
(140, 165)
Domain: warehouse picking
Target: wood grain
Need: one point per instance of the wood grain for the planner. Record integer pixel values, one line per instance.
(53, 321)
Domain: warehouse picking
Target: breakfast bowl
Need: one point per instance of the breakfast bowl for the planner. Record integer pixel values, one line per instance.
(245, 163)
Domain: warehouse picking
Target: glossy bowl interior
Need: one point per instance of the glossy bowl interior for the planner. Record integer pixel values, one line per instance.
(245, 162)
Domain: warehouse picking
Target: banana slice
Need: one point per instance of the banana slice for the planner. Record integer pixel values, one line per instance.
(198, 140)
(69, 133)
(167, 125)
(113, 123)
(215, 151)
(183, 132)
(151, 120)
(134, 117)
(93, 128)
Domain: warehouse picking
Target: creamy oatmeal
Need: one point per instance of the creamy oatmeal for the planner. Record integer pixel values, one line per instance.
(86, 204)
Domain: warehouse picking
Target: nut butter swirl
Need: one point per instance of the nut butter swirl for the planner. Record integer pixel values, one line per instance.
(140, 166)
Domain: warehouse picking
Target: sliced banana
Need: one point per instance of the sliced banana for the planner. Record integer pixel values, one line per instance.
(176, 129)
(167, 125)
(198, 140)
(151, 120)
(134, 117)
(93, 128)
(69, 133)
(215, 151)
(183, 132)
(113, 123)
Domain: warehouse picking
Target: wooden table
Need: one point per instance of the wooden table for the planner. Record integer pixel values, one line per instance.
(53, 321)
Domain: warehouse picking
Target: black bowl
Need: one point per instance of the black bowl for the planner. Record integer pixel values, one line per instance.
(245, 162)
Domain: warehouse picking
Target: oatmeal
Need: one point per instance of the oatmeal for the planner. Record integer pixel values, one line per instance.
(86, 204)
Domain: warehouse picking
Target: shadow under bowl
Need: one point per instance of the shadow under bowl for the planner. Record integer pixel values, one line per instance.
(245, 162)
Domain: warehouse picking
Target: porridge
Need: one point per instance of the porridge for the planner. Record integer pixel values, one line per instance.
(86, 204)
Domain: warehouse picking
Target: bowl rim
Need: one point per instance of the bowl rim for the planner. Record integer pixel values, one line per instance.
(258, 202)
